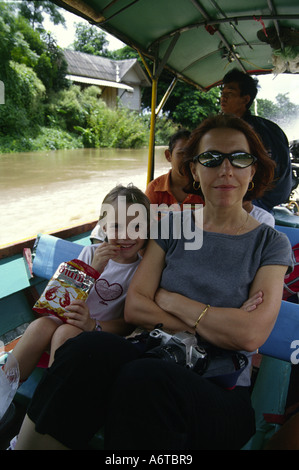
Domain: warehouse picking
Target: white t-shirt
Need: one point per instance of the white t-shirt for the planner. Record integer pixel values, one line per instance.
(262, 216)
(106, 299)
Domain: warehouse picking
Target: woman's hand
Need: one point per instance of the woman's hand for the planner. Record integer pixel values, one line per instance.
(252, 303)
(168, 301)
(102, 254)
(78, 315)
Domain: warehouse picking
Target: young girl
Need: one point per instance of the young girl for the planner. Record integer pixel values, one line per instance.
(116, 259)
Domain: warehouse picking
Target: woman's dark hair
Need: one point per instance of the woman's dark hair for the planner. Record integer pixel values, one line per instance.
(264, 166)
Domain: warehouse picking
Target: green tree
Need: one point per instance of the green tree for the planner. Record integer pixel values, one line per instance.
(36, 49)
(283, 111)
(189, 106)
(266, 108)
(51, 66)
(13, 43)
(91, 40)
(34, 10)
(24, 94)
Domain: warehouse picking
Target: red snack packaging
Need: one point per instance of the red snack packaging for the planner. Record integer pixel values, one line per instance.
(72, 280)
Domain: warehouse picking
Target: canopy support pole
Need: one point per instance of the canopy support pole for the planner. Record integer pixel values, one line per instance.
(157, 70)
(151, 150)
(167, 95)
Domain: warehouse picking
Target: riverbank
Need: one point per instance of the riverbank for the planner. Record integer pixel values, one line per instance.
(125, 135)
(79, 119)
(43, 139)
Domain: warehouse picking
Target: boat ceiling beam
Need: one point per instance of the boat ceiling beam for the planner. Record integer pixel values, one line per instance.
(229, 47)
(275, 21)
(119, 11)
(215, 5)
(167, 54)
(218, 21)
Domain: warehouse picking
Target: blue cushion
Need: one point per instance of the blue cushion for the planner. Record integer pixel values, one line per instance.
(50, 252)
(285, 331)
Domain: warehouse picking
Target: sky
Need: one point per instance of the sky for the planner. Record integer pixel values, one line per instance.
(65, 36)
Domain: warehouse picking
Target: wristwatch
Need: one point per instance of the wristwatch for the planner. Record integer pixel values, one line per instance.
(97, 327)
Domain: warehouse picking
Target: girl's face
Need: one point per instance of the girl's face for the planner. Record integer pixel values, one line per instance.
(127, 232)
(224, 185)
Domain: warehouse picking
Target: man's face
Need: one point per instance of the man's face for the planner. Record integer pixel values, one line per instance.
(231, 100)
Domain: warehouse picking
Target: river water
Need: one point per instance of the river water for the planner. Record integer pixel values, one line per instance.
(41, 192)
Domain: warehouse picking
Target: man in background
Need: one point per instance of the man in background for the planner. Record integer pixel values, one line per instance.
(238, 93)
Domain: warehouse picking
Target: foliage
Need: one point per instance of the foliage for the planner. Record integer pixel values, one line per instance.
(107, 127)
(90, 40)
(34, 10)
(83, 112)
(21, 44)
(13, 44)
(44, 138)
(189, 107)
(24, 93)
(283, 112)
(51, 66)
(70, 108)
(165, 128)
(186, 106)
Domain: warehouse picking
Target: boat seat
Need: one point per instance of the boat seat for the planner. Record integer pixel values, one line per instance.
(283, 217)
(270, 390)
(19, 289)
(50, 251)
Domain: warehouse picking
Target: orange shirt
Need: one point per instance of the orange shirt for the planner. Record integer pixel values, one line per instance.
(158, 192)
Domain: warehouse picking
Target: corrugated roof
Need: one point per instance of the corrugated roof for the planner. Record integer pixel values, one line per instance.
(81, 64)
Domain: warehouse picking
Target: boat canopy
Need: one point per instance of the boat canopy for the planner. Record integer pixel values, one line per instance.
(199, 41)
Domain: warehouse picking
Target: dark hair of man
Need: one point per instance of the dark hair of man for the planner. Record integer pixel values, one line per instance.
(247, 84)
(264, 166)
(181, 134)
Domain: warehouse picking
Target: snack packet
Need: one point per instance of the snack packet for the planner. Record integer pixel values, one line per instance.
(72, 280)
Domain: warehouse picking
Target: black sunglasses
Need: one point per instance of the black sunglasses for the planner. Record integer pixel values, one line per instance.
(213, 158)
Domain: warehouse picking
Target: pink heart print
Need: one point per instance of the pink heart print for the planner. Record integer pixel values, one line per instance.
(108, 291)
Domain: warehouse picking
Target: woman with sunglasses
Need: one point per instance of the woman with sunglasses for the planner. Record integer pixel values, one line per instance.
(227, 292)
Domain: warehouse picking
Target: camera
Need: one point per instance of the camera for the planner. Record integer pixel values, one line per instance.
(181, 348)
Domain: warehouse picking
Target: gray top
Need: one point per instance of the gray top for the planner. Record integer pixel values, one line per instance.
(220, 273)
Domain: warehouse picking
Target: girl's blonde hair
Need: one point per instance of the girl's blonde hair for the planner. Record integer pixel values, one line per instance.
(133, 195)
